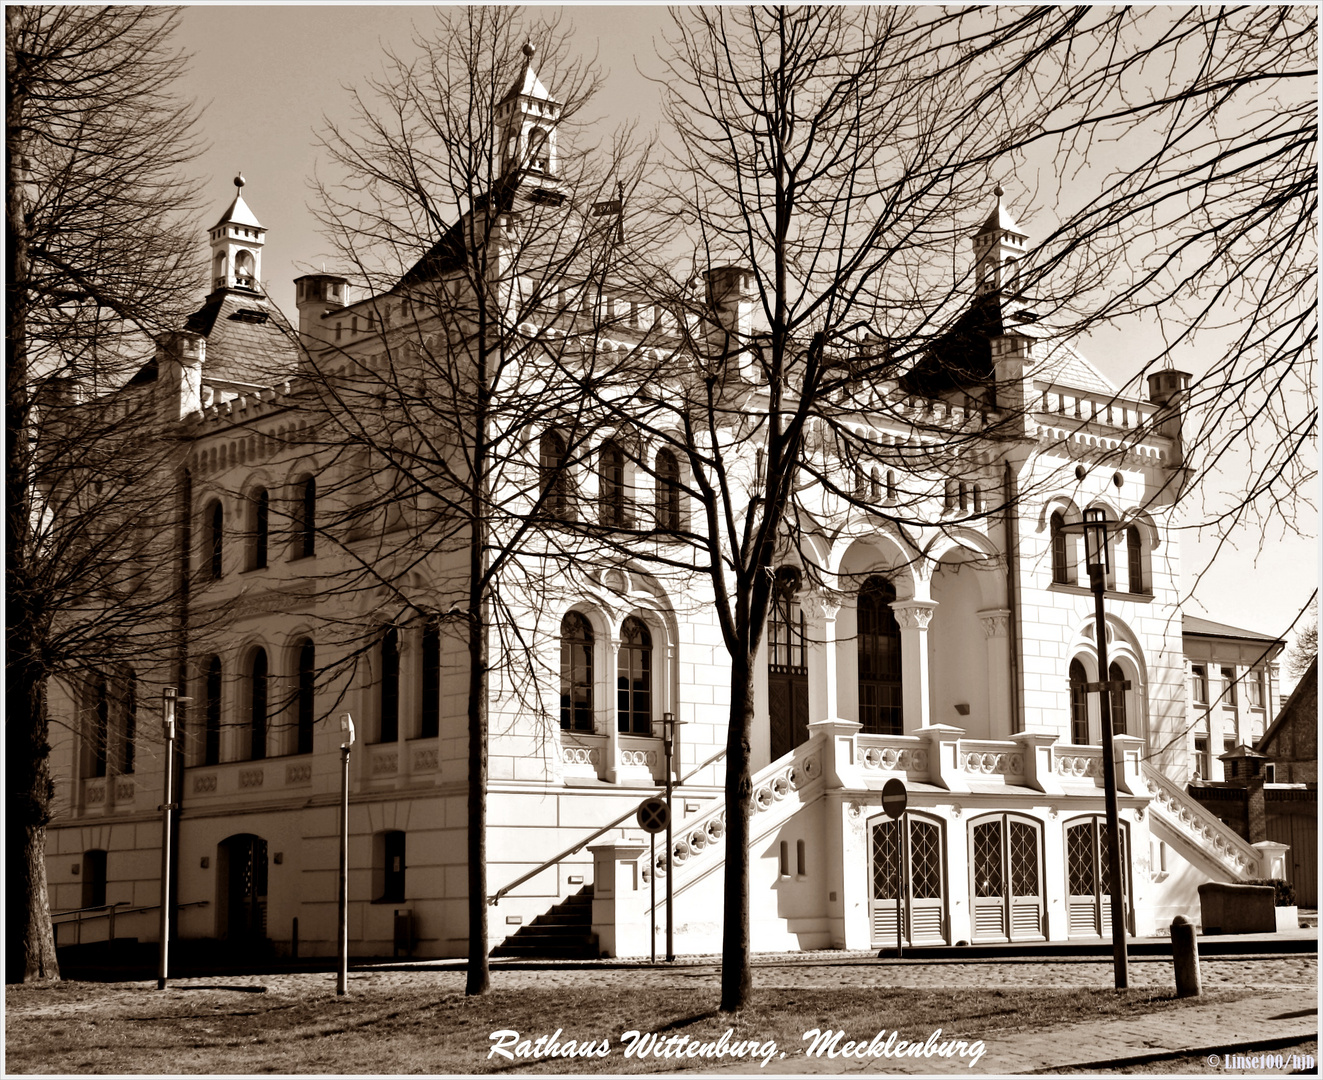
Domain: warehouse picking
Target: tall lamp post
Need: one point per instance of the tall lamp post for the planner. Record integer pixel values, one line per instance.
(1096, 558)
(669, 724)
(169, 700)
(342, 892)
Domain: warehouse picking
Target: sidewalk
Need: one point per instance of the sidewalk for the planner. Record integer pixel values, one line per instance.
(1259, 1024)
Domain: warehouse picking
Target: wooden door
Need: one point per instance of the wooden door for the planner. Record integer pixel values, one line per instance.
(924, 914)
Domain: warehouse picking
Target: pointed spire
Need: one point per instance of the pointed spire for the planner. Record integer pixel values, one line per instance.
(1000, 219)
(239, 213)
(236, 245)
(528, 84)
(999, 245)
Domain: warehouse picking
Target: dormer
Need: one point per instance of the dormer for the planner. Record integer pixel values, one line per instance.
(526, 121)
(236, 246)
(998, 248)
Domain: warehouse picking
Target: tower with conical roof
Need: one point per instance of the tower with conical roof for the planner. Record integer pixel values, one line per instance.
(236, 246)
(526, 120)
(999, 245)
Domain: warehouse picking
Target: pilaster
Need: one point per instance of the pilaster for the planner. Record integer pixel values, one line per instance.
(996, 631)
(913, 617)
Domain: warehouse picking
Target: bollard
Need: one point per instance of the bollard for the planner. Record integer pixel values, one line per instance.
(1185, 955)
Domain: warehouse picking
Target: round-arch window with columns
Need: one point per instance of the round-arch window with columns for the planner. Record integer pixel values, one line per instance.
(576, 673)
(878, 637)
(634, 678)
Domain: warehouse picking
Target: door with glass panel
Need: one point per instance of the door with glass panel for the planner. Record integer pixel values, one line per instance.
(1088, 878)
(923, 889)
(1006, 870)
(787, 666)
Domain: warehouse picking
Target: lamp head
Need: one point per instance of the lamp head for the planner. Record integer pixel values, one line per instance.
(1095, 539)
(347, 730)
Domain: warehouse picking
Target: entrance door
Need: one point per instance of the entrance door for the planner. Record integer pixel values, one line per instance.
(243, 863)
(925, 893)
(1088, 878)
(1006, 863)
(1301, 833)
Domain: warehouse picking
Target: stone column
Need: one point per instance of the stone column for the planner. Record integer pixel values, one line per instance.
(610, 768)
(996, 631)
(914, 617)
(820, 607)
(411, 686)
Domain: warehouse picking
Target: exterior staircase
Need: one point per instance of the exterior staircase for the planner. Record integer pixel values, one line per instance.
(562, 933)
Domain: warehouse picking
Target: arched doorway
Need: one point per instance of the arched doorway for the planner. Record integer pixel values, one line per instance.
(1006, 871)
(924, 886)
(1088, 878)
(241, 888)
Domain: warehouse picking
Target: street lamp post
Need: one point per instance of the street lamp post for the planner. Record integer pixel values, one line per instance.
(169, 700)
(669, 724)
(1096, 558)
(342, 892)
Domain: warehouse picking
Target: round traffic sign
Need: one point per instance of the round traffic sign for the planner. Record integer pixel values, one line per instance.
(653, 815)
(894, 798)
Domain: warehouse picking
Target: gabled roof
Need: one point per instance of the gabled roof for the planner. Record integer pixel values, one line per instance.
(451, 251)
(1301, 705)
(248, 339)
(1192, 624)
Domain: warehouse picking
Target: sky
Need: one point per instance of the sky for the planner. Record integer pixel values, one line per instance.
(267, 75)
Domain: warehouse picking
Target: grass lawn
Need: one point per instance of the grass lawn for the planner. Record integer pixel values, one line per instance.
(395, 1026)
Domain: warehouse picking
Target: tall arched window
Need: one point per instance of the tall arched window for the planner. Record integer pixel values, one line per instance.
(880, 699)
(307, 697)
(1134, 547)
(211, 736)
(305, 518)
(430, 719)
(787, 665)
(1079, 705)
(555, 481)
(576, 673)
(668, 491)
(875, 485)
(261, 536)
(257, 702)
(634, 678)
(611, 484)
(1116, 675)
(127, 731)
(213, 535)
(390, 687)
(1062, 572)
(99, 729)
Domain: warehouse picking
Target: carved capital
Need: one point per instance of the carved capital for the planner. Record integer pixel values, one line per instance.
(914, 614)
(820, 604)
(996, 622)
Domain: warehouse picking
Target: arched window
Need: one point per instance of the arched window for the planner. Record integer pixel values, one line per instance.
(875, 485)
(128, 724)
(576, 673)
(977, 502)
(880, 698)
(634, 678)
(430, 719)
(1079, 705)
(389, 702)
(305, 519)
(787, 665)
(306, 714)
(1063, 573)
(211, 737)
(539, 159)
(964, 496)
(668, 491)
(243, 269)
(257, 701)
(891, 486)
(261, 500)
(949, 500)
(213, 539)
(1134, 547)
(611, 481)
(99, 730)
(555, 480)
(1116, 675)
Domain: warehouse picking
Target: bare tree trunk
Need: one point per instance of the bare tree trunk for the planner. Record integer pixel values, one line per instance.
(479, 971)
(736, 972)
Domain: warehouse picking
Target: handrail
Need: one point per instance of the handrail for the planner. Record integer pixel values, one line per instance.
(496, 896)
(108, 911)
(105, 908)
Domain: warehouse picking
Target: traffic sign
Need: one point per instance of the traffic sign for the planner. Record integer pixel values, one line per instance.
(653, 815)
(894, 798)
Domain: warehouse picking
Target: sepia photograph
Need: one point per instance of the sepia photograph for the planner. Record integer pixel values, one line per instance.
(622, 539)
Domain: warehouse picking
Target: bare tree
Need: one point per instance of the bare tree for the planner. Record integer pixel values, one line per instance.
(96, 266)
(481, 243)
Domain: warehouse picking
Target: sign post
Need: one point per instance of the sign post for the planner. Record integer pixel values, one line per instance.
(654, 816)
(894, 801)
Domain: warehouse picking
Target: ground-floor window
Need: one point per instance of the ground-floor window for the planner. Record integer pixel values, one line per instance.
(913, 891)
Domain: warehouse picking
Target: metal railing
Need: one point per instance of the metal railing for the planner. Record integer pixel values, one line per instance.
(496, 896)
(105, 911)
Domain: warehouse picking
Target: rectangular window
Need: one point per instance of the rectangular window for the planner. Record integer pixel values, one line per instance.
(1270, 774)
(800, 861)
(785, 859)
(1254, 689)
(1229, 687)
(1202, 764)
(1199, 684)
